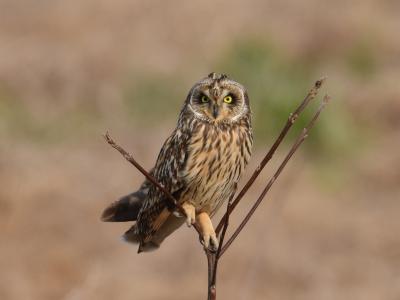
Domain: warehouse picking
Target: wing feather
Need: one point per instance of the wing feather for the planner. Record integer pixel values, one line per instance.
(170, 162)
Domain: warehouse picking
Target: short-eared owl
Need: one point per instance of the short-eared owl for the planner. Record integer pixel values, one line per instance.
(199, 164)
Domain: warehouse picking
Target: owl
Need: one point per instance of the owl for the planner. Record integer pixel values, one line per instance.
(199, 164)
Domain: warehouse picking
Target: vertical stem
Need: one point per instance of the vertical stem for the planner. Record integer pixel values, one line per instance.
(213, 258)
(212, 288)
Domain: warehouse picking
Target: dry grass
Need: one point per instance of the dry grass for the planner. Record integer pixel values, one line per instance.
(329, 229)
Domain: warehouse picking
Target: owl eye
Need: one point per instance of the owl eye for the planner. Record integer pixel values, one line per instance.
(228, 99)
(204, 99)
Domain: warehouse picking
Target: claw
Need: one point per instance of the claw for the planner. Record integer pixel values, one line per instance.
(214, 243)
(208, 237)
(210, 242)
(190, 212)
(190, 220)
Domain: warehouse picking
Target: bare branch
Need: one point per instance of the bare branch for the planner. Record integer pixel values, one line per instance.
(296, 145)
(213, 257)
(212, 265)
(225, 227)
(130, 158)
(292, 118)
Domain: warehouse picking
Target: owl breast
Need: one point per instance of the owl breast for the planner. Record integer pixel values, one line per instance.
(217, 156)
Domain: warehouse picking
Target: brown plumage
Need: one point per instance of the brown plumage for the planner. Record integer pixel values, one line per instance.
(199, 164)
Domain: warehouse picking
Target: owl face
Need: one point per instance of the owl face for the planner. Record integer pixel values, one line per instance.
(217, 98)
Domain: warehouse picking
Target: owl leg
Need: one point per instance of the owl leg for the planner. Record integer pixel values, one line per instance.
(209, 238)
(190, 212)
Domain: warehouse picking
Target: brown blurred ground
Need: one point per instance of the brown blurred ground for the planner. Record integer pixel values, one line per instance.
(69, 70)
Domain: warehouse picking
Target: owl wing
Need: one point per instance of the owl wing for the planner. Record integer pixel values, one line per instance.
(127, 207)
(157, 208)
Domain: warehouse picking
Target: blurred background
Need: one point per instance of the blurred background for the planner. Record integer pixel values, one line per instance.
(70, 70)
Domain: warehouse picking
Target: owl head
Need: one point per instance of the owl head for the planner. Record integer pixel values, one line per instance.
(218, 98)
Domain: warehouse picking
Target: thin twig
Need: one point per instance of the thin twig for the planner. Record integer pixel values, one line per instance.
(226, 224)
(296, 145)
(130, 158)
(292, 118)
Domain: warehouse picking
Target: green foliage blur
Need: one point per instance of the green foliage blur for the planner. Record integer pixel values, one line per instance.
(276, 84)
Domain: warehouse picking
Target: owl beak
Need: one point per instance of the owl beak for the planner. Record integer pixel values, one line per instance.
(215, 111)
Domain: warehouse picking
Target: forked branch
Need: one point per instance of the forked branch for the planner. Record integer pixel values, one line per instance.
(213, 258)
(289, 123)
(303, 135)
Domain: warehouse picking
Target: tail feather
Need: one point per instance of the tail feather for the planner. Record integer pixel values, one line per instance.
(131, 236)
(125, 209)
(171, 224)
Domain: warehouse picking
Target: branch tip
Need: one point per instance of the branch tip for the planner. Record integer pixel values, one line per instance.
(108, 138)
(320, 81)
(326, 99)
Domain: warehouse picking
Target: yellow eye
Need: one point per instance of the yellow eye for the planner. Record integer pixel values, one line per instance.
(204, 99)
(228, 99)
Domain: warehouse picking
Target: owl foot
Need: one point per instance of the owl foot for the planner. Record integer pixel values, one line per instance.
(210, 242)
(190, 213)
(208, 237)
